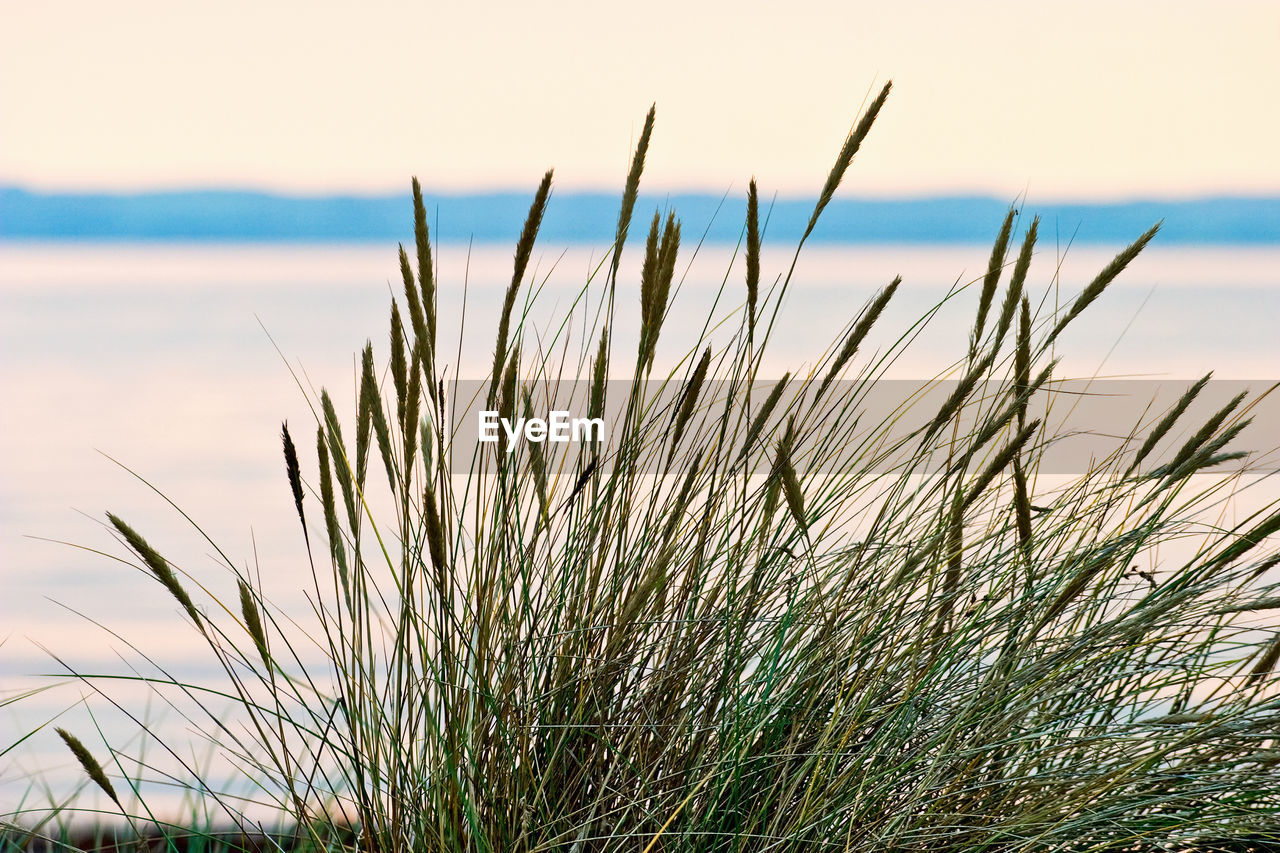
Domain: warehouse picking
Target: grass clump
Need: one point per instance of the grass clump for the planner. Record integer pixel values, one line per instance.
(723, 629)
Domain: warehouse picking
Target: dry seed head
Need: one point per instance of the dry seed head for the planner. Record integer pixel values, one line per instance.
(369, 399)
(1264, 566)
(845, 157)
(630, 192)
(426, 275)
(338, 450)
(649, 287)
(656, 304)
(435, 534)
(995, 424)
(859, 331)
(667, 263)
(90, 764)
(507, 409)
(412, 410)
(1022, 357)
(753, 256)
(427, 443)
(641, 594)
(159, 567)
(595, 405)
(399, 363)
(529, 234)
(1203, 435)
(337, 550)
(1017, 406)
(524, 248)
(1166, 423)
(1243, 544)
(689, 398)
(1210, 460)
(649, 270)
(763, 415)
(381, 430)
(667, 253)
(791, 486)
(1000, 462)
(1266, 663)
(958, 396)
(1016, 284)
(411, 296)
(1208, 456)
(1104, 278)
(992, 279)
(371, 413)
(1022, 506)
(253, 621)
(294, 473)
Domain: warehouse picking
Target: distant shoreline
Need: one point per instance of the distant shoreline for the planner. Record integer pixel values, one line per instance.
(228, 216)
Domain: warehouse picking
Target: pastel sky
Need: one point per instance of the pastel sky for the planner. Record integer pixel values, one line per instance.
(1078, 99)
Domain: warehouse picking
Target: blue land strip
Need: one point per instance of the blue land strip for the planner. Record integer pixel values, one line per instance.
(590, 217)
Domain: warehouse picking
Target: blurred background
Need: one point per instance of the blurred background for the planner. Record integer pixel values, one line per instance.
(199, 205)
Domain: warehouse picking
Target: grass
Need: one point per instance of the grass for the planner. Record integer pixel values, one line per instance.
(749, 621)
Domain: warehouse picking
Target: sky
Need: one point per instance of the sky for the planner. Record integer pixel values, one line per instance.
(1079, 100)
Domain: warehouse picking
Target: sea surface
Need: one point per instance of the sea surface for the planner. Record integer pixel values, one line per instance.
(126, 366)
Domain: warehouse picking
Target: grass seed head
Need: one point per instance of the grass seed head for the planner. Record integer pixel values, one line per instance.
(762, 416)
(399, 362)
(426, 274)
(860, 329)
(689, 397)
(293, 472)
(753, 256)
(1266, 663)
(1091, 293)
(1166, 423)
(524, 249)
(159, 567)
(416, 316)
(90, 764)
(337, 547)
(630, 192)
(599, 376)
(253, 621)
(995, 265)
(851, 145)
(1017, 284)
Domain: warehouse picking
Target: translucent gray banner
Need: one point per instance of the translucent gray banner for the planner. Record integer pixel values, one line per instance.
(877, 425)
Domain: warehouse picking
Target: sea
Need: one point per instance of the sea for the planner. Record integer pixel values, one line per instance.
(151, 380)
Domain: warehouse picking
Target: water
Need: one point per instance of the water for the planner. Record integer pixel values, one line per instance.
(162, 357)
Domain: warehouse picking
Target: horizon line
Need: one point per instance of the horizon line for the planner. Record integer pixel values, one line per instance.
(590, 216)
(848, 194)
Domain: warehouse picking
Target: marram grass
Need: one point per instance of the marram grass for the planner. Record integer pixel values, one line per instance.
(719, 631)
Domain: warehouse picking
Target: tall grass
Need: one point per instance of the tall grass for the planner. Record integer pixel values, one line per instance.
(750, 620)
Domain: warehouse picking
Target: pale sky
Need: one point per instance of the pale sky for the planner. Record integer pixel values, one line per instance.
(1077, 99)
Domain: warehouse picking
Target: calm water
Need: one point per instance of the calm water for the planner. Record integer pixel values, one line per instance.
(161, 357)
